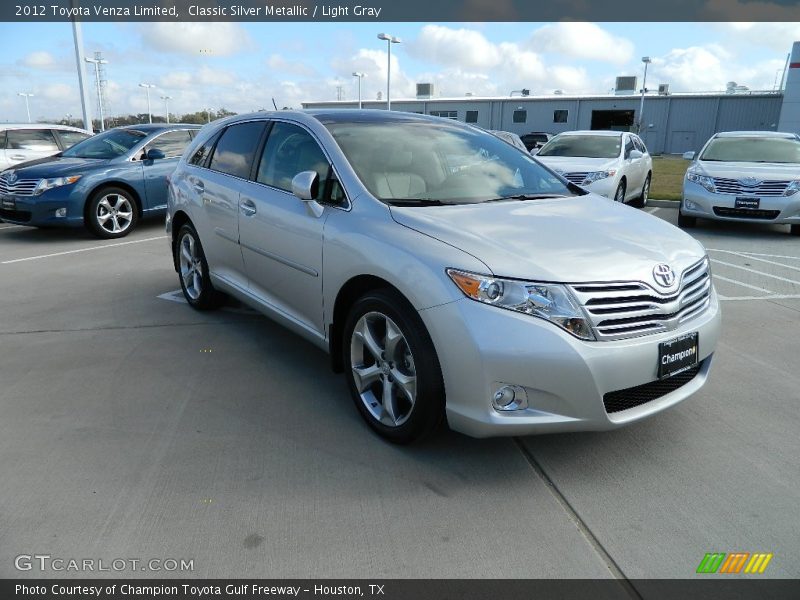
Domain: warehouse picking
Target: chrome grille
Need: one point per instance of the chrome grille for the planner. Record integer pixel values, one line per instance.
(630, 309)
(575, 177)
(762, 188)
(20, 187)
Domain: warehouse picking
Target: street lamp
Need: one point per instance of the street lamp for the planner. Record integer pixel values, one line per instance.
(166, 100)
(97, 62)
(390, 39)
(360, 77)
(147, 87)
(26, 95)
(646, 60)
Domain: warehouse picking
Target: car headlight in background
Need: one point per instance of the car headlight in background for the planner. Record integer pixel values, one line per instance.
(49, 184)
(792, 188)
(550, 301)
(597, 176)
(704, 180)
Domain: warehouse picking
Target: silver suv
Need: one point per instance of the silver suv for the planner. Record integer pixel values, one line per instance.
(446, 273)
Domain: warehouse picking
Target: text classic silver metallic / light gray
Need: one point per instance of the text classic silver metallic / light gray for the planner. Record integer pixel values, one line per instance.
(447, 273)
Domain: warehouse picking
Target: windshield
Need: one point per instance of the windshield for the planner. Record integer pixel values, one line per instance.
(584, 146)
(753, 149)
(438, 163)
(109, 144)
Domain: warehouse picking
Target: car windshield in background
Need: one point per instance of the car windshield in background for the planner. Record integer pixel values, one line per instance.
(110, 144)
(753, 149)
(584, 146)
(432, 163)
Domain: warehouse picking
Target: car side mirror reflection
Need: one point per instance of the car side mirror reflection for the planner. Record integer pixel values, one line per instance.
(635, 154)
(305, 185)
(688, 155)
(155, 154)
(534, 151)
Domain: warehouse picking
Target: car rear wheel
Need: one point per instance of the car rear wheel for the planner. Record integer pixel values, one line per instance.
(686, 222)
(641, 200)
(619, 195)
(112, 213)
(392, 368)
(193, 271)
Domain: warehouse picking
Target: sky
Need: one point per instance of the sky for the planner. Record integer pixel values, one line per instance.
(243, 66)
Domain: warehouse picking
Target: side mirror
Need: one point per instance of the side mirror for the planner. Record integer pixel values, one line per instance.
(534, 151)
(155, 154)
(688, 155)
(635, 154)
(305, 185)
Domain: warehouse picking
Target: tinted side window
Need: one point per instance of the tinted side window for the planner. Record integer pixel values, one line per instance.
(200, 156)
(236, 149)
(32, 139)
(640, 145)
(2, 140)
(172, 143)
(628, 146)
(291, 150)
(70, 138)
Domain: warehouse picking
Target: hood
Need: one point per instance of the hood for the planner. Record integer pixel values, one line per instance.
(569, 240)
(54, 166)
(740, 170)
(577, 164)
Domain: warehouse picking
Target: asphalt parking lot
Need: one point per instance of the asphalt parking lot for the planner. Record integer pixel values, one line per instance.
(133, 426)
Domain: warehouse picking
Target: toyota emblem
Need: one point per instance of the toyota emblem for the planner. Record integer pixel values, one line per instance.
(750, 181)
(664, 275)
(11, 176)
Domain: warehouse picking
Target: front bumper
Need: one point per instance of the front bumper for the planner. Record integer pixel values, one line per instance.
(699, 202)
(40, 211)
(481, 348)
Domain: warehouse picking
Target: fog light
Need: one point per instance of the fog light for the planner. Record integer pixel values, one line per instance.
(61, 212)
(689, 205)
(510, 397)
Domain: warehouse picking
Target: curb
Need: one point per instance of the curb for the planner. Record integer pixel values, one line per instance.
(663, 203)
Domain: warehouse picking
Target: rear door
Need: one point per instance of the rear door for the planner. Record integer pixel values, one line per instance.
(633, 168)
(172, 144)
(68, 138)
(29, 144)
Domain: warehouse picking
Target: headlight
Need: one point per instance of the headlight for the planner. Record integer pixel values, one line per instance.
(49, 184)
(792, 188)
(704, 180)
(550, 301)
(597, 176)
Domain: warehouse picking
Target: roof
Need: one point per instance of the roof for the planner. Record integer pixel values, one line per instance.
(40, 126)
(151, 127)
(600, 132)
(761, 134)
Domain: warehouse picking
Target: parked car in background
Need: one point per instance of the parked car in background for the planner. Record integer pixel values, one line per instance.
(511, 138)
(751, 176)
(536, 139)
(23, 142)
(610, 163)
(106, 182)
(446, 273)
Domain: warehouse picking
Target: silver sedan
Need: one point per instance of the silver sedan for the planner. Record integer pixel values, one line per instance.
(450, 276)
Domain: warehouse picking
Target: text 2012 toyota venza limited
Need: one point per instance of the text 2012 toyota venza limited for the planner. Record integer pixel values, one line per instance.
(447, 273)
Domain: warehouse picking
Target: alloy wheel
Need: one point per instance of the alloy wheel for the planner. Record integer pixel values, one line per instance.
(114, 213)
(191, 266)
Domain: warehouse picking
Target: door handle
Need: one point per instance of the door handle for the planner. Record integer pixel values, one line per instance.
(199, 187)
(248, 207)
(18, 156)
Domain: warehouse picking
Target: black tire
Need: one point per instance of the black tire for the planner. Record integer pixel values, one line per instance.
(193, 273)
(641, 199)
(112, 213)
(686, 222)
(619, 195)
(794, 230)
(415, 419)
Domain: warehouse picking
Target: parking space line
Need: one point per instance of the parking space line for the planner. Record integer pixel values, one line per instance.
(773, 297)
(749, 270)
(743, 284)
(653, 210)
(764, 260)
(17, 260)
(2, 227)
(756, 254)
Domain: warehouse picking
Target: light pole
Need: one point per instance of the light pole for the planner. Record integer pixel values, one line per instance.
(147, 87)
(646, 60)
(390, 39)
(26, 95)
(360, 77)
(97, 62)
(166, 100)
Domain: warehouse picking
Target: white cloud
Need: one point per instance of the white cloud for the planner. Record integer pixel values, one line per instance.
(464, 48)
(775, 36)
(40, 60)
(581, 40)
(277, 62)
(215, 39)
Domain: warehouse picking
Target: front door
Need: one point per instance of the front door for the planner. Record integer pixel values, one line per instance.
(172, 144)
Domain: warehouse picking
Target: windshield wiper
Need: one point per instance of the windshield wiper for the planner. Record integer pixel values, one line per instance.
(527, 197)
(413, 202)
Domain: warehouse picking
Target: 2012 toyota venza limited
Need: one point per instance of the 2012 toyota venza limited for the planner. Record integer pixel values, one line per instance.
(448, 274)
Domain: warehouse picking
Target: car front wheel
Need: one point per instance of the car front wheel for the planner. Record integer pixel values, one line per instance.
(641, 201)
(112, 213)
(619, 195)
(392, 368)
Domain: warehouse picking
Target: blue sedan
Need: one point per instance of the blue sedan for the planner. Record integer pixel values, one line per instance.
(106, 182)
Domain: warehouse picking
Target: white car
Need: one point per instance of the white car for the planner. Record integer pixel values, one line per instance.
(511, 138)
(751, 176)
(609, 163)
(23, 142)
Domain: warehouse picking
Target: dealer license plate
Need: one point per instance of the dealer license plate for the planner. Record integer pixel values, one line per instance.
(748, 203)
(677, 355)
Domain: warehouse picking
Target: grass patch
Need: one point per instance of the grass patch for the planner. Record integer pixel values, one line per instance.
(668, 174)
